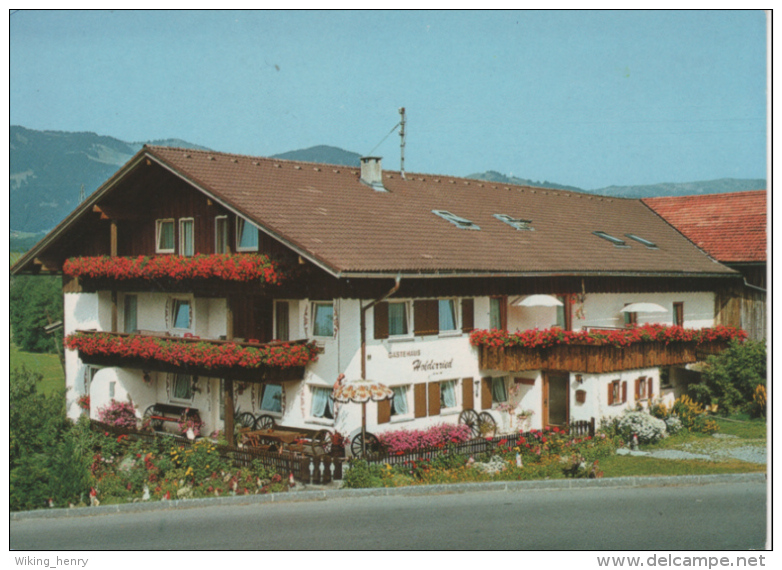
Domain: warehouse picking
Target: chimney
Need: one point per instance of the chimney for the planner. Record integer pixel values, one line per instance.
(372, 172)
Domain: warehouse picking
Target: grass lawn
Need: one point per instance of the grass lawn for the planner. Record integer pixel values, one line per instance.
(47, 365)
(629, 466)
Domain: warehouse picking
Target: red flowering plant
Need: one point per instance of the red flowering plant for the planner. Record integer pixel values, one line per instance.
(537, 338)
(202, 354)
(84, 402)
(228, 267)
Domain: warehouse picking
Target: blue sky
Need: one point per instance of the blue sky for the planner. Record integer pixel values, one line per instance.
(589, 99)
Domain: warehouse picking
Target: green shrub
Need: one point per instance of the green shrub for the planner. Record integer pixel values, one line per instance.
(361, 475)
(730, 379)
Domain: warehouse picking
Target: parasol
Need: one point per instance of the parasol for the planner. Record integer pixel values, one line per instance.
(643, 308)
(538, 301)
(360, 391)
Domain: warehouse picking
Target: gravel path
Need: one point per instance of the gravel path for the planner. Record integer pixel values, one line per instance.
(720, 447)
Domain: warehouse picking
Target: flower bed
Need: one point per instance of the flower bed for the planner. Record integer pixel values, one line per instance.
(228, 267)
(208, 355)
(545, 338)
(404, 440)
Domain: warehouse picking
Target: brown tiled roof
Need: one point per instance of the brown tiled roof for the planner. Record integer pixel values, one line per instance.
(731, 227)
(327, 214)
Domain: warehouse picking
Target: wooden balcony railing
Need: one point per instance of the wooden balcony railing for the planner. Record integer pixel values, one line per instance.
(245, 361)
(596, 359)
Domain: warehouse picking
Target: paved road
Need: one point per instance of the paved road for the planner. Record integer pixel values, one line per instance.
(709, 517)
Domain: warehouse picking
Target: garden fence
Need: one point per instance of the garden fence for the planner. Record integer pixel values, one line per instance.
(322, 469)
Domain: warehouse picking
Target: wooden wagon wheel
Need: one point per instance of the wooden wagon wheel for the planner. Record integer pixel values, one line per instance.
(373, 446)
(245, 420)
(470, 418)
(487, 425)
(264, 422)
(321, 442)
(155, 424)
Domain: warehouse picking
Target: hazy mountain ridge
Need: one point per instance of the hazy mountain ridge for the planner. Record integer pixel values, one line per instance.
(48, 168)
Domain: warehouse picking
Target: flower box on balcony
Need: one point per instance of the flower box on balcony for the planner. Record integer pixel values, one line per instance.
(599, 351)
(224, 267)
(213, 358)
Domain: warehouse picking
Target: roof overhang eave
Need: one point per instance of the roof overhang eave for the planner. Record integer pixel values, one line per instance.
(497, 274)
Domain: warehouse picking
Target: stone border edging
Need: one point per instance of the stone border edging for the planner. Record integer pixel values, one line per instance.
(413, 490)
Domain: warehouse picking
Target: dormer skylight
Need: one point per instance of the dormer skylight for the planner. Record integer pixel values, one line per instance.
(646, 242)
(463, 223)
(516, 223)
(614, 240)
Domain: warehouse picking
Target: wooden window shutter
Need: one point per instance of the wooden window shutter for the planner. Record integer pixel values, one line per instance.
(568, 313)
(468, 399)
(384, 411)
(468, 315)
(485, 393)
(427, 317)
(638, 388)
(610, 393)
(624, 391)
(649, 387)
(419, 395)
(434, 398)
(381, 320)
(504, 312)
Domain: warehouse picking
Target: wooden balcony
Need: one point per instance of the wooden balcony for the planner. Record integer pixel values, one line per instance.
(596, 359)
(277, 361)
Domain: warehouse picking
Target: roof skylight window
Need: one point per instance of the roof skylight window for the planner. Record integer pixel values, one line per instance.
(614, 240)
(646, 242)
(456, 220)
(517, 223)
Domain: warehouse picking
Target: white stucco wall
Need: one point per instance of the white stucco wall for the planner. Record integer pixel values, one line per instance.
(603, 309)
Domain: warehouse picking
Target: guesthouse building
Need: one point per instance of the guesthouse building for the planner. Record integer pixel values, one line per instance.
(233, 284)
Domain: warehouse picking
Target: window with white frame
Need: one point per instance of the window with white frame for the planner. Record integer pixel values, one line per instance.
(397, 318)
(186, 245)
(164, 236)
(282, 320)
(323, 319)
(182, 387)
(322, 406)
(221, 234)
(181, 314)
(130, 314)
(448, 315)
(448, 396)
(499, 391)
(399, 404)
(271, 398)
(246, 235)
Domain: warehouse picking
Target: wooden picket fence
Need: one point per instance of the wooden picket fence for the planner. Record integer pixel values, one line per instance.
(323, 469)
(581, 428)
(313, 470)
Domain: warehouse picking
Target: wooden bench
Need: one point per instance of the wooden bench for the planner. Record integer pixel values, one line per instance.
(158, 414)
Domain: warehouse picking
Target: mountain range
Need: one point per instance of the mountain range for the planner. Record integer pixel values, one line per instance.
(48, 170)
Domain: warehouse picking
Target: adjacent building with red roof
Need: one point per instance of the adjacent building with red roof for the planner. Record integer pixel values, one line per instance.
(731, 228)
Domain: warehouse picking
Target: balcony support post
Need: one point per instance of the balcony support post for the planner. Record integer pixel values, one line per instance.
(228, 412)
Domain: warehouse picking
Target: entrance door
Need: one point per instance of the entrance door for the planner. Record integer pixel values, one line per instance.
(556, 398)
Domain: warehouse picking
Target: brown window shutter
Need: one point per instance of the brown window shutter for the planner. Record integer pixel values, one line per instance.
(468, 315)
(624, 391)
(384, 411)
(468, 398)
(649, 386)
(568, 313)
(638, 388)
(610, 393)
(419, 395)
(434, 398)
(485, 393)
(381, 320)
(504, 312)
(427, 317)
